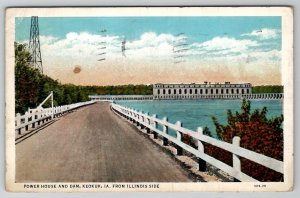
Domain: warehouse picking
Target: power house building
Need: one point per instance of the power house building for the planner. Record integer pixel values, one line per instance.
(197, 91)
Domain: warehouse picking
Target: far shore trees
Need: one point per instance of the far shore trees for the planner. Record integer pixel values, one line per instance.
(32, 87)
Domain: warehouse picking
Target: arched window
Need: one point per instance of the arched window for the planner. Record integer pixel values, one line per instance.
(195, 91)
(158, 91)
(169, 91)
(191, 91)
(174, 91)
(237, 91)
(217, 91)
(185, 91)
(200, 91)
(242, 91)
(179, 91)
(232, 91)
(247, 91)
(211, 91)
(206, 91)
(164, 91)
(222, 91)
(227, 91)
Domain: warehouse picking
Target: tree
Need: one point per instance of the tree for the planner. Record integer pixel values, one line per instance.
(267, 89)
(26, 80)
(257, 133)
(32, 87)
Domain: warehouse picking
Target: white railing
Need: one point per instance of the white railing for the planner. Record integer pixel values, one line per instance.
(151, 122)
(120, 97)
(262, 96)
(38, 115)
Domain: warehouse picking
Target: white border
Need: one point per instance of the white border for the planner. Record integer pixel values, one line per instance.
(287, 78)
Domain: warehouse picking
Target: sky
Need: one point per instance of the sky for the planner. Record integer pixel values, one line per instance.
(88, 50)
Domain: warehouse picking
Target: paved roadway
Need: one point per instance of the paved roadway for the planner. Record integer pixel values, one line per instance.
(93, 145)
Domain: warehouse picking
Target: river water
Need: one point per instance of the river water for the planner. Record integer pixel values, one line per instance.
(198, 113)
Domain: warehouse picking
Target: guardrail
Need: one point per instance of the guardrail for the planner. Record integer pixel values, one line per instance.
(261, 96)
(120, 97)
(151, 122)
(40, 115)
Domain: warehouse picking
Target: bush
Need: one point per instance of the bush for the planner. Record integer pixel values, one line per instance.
(257, 133)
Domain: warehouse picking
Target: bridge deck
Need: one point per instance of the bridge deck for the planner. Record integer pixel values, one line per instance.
(93, 145)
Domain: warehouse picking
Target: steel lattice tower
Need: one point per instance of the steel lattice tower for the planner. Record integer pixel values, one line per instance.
(34, 44)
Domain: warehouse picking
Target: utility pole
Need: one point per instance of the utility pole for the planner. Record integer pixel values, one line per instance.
(34, 44)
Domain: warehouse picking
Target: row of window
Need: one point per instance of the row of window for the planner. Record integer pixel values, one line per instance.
(208, 85)
(196, 96)
(202, 91)
(233, 96)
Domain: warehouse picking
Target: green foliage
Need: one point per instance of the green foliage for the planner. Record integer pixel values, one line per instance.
(267, 89)
(257, 133)
(32, 87)
(121, 90)
(26, 80)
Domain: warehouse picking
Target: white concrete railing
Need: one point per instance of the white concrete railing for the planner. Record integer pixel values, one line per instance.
(262, 96)
(151, 122)
(33, 116)
(120, 97)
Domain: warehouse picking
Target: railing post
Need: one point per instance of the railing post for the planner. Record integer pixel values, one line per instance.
(201, 162)
(134, 116)
(165, 130)
(154, 126)
(142, 120)
(26, 120)
(33, 119)
(138, 119)
(52, 115)
(179, 138)
(18, 122)
(131, 114)
(235, 158)
(147, 123)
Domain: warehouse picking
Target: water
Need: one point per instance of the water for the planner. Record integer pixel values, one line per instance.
(198, 113)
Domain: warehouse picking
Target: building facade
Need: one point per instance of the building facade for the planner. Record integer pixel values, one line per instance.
(198, 91)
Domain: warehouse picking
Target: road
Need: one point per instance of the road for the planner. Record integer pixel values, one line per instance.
(93, 144)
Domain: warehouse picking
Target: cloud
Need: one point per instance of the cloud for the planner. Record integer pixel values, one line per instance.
(83, 48)
(48, 39)
(151, 45)
(151, 39)
(152, 54)
(264, 34)
(88, 46)
(224, 45)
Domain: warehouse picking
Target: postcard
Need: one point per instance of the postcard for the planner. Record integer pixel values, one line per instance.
(149, 99)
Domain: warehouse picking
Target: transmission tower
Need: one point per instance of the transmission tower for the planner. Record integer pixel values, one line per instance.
(34, 44)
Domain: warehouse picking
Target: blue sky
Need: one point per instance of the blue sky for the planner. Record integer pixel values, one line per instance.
(226, 40)
(196, 28)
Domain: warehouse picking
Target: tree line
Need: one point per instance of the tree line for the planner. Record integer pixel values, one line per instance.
(267, 89)
(32, 87)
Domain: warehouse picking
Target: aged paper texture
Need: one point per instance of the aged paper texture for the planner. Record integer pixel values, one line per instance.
(149, 99)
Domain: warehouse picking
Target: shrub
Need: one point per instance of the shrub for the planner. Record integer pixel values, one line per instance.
(257, 133)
